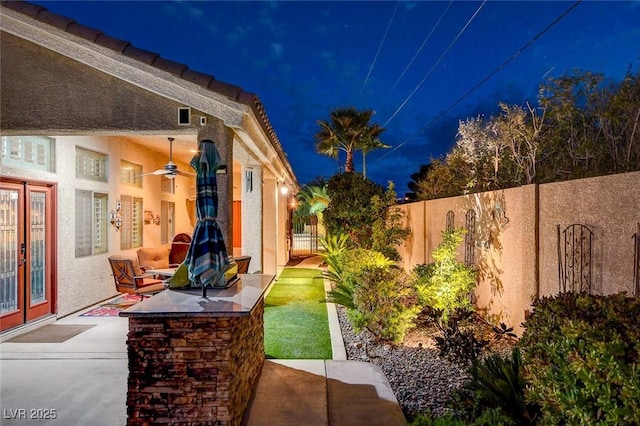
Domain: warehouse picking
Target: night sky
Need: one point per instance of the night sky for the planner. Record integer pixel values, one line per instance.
(413, 63)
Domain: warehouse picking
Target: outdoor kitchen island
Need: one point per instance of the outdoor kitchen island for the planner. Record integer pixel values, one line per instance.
(193, 359)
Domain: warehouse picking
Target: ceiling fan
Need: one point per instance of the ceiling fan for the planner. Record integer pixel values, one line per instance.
(170, 169)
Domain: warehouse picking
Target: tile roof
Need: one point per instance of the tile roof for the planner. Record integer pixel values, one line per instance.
(125, 48)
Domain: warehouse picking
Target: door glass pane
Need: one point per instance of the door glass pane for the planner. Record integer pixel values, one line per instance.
(38, 249)
(8, 250)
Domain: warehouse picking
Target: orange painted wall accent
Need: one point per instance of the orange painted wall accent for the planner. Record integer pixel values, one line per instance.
(237, 224)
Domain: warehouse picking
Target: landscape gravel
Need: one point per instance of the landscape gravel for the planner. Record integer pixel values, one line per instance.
(421, 380)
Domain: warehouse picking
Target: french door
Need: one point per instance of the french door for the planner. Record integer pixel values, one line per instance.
(27, 223)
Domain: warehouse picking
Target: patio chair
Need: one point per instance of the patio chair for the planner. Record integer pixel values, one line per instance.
(154, 258)
(179, 248)
(128, 279)
(243, 264)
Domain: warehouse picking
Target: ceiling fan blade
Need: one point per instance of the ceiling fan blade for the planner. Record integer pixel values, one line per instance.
(162, 172)
(156, 172)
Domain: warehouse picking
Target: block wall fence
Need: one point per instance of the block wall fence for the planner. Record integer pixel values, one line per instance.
(523, 245)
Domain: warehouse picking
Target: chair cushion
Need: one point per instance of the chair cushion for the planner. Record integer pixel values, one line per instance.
(153, 258)
(178, 252)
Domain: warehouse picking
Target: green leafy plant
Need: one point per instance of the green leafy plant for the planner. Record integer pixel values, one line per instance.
(583, 359)
(446, 283)
(383, 300)
(489, 417)
(388, 230)
(335, 246)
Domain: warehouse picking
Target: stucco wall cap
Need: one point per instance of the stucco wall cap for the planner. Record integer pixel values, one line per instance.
(83, 31)
(225, 89)
(169, 66)
(28, 9)
(141, 55)
(197, 77)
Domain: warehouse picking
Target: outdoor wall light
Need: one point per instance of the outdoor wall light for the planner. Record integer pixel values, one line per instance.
(284, 190)
(248, 180)
(114, 215)
(115, 219)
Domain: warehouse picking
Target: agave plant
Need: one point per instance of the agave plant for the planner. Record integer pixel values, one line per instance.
(499, 382)
(342, 292)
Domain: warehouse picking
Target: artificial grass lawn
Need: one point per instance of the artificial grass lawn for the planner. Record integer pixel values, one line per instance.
(296, 325)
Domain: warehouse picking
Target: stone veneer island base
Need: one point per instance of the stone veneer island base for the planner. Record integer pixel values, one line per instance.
(195, 360)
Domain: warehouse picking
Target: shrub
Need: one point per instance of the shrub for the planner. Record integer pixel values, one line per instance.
(447, 283)
(460, 346)
(383, 299)
(583, 359)
(387, 229)
(350, 210)
(366, 212)
(489, 417)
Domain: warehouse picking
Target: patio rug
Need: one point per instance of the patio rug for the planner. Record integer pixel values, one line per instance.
(51, 333)
(113, 307)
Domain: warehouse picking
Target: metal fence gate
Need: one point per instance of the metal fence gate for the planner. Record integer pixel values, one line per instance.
(305, 239)
(575, 258)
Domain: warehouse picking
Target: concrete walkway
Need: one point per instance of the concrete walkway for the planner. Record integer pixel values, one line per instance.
(84, 381)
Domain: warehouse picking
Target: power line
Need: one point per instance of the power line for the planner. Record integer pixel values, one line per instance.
(484, 80)
(435, 65)
(421, 46)
(384, 37)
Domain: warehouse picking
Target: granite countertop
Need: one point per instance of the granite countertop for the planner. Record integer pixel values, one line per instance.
(237, 300)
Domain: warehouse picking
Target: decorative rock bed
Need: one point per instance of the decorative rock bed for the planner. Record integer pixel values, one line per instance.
(420, 378)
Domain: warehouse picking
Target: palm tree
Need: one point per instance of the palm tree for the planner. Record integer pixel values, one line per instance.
(349, 130)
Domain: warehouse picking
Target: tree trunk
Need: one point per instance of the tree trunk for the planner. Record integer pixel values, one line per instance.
(348, 167)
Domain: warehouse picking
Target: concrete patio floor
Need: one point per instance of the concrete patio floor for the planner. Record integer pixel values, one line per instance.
(84, 379)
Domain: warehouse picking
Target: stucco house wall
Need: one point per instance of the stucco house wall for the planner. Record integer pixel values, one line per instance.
(83, 88)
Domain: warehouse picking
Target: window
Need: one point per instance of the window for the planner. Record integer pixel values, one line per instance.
(132, 219)
(167, 220)
(91, 165)
(91, 223)
(131, 173)
(28, 152)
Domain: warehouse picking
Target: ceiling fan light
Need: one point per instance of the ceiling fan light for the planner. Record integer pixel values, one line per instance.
(170, 176)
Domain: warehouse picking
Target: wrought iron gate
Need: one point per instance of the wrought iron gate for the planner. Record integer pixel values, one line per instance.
(575, 258)
(305, 236)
